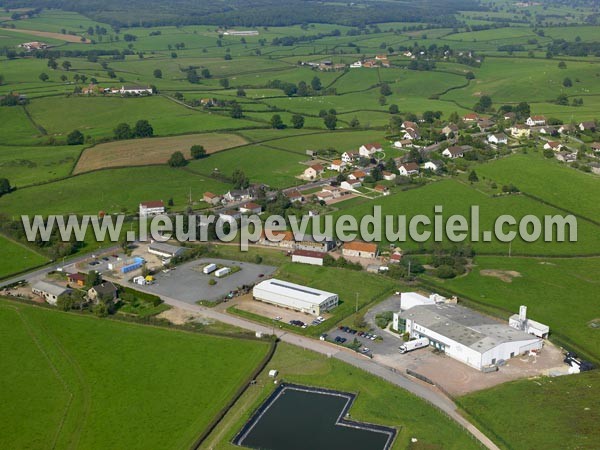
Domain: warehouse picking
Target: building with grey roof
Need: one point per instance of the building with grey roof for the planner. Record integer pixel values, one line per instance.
(49, 291)
(295, 296)
(466, 335)
(165, 250)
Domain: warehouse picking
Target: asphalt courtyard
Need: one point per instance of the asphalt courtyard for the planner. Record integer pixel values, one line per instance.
(189, 284)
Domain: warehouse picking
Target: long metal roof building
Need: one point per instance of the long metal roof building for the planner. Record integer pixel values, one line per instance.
(295, 296)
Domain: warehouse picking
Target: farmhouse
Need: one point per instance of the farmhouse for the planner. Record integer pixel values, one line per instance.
(49, 291)
(456, 151)
(211, 199)
(368, 150)
(499, 138)
(360, 249)
(165, 250)
(509, 116)
(308, 257)
(587, 126)
(388, 176)
(250, 208)
(135, 90)
(409, 168)
(466, 335)
(434, 165)
(239, 195)
(105, 291)
(471, 117)
(295, 296)
(520, 131)
(408, 125)
(76, 278)
(240, 33)
(535, 121)
(31, 46)
(485, 124)
(152, 208)
(449, 129)
(313, 171)
(553, 145)
(566, 157)
(548, 130)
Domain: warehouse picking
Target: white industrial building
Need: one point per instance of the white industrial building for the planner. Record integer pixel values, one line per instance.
(165, 250)
(308, 257)
(49, 291)
(411, 299)
(466, 335)
(295, 296)
(521, 322)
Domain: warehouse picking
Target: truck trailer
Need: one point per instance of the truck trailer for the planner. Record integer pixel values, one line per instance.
(222, 272)
(413, 345)
(209, 269)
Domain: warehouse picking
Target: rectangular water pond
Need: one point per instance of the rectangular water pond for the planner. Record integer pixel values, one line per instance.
(300, 418)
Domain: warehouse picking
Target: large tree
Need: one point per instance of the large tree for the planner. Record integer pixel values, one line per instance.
(276, 122)
(239, 179)
(75, 137)
(123, 131)
(5, 187)
(143, 129)
(330, 121)
(197, 151)
(297, 121)
(177, 160)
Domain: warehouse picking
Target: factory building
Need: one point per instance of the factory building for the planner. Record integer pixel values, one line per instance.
(466, 335)
(295, 296)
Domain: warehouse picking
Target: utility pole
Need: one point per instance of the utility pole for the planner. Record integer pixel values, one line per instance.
(409, 263)
(356, 305)
(509, 248)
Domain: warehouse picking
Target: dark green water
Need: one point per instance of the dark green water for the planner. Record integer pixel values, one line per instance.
(299, 420)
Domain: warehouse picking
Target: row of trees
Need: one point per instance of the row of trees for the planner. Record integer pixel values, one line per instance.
(142, 129)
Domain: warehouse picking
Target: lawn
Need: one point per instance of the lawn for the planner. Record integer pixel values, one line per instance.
(378, 402)
(548, 180)
(140, 152)
(74, 377)
(560, 292)
(549, 413)
(112, 191)
(17, 257)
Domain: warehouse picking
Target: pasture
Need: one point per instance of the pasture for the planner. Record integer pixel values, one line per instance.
(141, 152)
(74, 377)
(16, 257)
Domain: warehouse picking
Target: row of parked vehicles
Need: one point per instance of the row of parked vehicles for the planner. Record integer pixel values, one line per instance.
(362, 334)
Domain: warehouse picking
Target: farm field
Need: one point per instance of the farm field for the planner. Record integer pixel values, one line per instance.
(414, 419)
(87, 373)
(141, 152)
(17, 257)
(555, 409)
(557, 291)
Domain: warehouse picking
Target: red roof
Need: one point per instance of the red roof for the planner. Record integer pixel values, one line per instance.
(76, 277)
(210, 195)
(317, 167)
(250, 205)
(372, 146)
(153, 204)
(308, 253)
(361, 246)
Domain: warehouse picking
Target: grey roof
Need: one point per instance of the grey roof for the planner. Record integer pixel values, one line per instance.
(465, 326)
(50, 288)
(105, 288)
(166, 248)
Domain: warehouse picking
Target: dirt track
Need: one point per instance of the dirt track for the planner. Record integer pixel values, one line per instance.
(48, 34)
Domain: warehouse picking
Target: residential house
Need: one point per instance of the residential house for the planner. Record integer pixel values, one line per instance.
(410, 135)
(595, 146)
(449, 129)
(368, 150)
(433, 165)
(324, 196)
(509, 116)
(520, 131)
(553, 145)
(357, 175)
(485, 124)
(499, 138)
(360, 249)
(211, 199)
(92, 89)
(595, 167)
(105, 291)
(552, 131)
(408, 169)
(566, 129)
(294, 196)
(313, 171)
(208, 102)
(239, 195)
(76, 278)
(251, 208)
(351, 185)
(152, 208)
(471, 117)
(348, 157)
(408, 125)
(50, 292)
(534, 121)
(356, 65)
(403, 143)
(566, 157)
(587, 126)
(388, 176)
(456, 151)
(337, 165)
(230, 215)
(31, 46)
(384, 190)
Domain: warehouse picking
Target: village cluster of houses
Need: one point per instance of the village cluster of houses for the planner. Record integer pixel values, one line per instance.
(94, 89)
(378, 61)
(35, 45)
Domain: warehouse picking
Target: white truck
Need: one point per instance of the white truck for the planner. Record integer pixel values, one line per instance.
(222, 272)
(209, 269)
(409, 346)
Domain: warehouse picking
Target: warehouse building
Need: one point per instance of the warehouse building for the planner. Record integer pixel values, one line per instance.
(165, 250)
(466, 335)
(295, 296)
(49, 291)
(308, 257)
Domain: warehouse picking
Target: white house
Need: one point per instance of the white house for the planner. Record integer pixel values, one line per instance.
(211, 199)
(368, 150)
(250, 208)
(587, 126)
(356, 65)
(135, 90)
(499, 138)
(351, 185)
(520, 131)
(455, 151)
(433, 165)
(450, 129)
(313, 171)
(407, 169)
(410, 135)
(152, 208)
(408, 125)
(566, 129)
(402, 143)
(388, 176)
(348, 157)
(337, 165)
(553, 145)
(357, 175)
(535, 121)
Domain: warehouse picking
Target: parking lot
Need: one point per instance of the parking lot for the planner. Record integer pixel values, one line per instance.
(188, 283)
(345, 336)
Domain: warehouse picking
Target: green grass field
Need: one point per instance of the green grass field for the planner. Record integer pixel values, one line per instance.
(559, 292)
(74, 377)
(550, 413)
(378, 402)
(17, 257)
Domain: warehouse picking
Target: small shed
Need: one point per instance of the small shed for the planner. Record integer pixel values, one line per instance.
(273, 373)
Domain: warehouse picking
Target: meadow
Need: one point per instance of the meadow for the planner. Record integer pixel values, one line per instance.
(548, 413)
(377, 402)
(74, 377)
(17, 257)
(559, 292)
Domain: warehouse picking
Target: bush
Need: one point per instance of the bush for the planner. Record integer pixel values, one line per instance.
(75, 137)
(212, 282)
(445, 272)
(177, 160)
